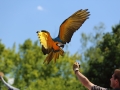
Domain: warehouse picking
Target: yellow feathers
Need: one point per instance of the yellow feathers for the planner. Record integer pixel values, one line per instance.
(43, 37)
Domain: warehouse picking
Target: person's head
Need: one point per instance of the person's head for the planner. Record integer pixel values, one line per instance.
(115, 79)
(1, 75)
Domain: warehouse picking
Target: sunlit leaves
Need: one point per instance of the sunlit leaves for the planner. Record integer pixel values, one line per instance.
(27, 68)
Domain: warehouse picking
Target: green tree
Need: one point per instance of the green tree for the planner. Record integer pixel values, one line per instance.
(88, 45)
(29, 73)
(104, 58)
(6, 61)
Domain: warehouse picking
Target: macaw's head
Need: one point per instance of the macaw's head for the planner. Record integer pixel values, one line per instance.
(60, 44)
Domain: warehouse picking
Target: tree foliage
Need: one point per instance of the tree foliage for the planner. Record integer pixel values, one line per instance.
(29, 73)
(97, 63)
(104, 58)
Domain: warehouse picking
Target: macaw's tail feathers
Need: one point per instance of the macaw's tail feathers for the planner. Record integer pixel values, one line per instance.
(53, 55)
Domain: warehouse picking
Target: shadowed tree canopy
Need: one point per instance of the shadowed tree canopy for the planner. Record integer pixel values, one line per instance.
(104, 58)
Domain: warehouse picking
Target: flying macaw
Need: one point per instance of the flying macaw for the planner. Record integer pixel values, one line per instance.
(53, 46)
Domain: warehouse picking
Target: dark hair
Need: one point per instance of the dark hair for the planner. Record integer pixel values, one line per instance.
(117, 75)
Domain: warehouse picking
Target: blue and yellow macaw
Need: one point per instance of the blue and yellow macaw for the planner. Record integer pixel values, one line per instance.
(52, 46)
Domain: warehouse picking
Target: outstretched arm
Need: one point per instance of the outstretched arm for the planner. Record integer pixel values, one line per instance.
(84, 80)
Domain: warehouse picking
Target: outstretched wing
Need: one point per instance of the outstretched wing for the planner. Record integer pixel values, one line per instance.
(45, 40)
(71, 24)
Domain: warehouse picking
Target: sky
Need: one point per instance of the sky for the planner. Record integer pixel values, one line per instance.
(20, 19)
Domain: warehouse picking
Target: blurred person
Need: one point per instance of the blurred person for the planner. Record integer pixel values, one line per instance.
(115, 79)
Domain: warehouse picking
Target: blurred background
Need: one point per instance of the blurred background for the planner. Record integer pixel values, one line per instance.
(95, 45)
